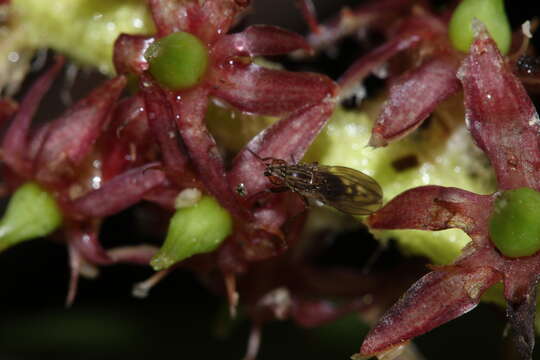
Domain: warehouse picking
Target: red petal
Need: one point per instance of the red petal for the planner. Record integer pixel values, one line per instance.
(409, 34)
(500, 115)
(189, 109)
(258, 40)
(8, 107)
(264, 91)
(307, 8)
(376, 58)
(435, 208)
(71, 137)
(435, 299)
(127, 140)
(287, 139)
(129, 53)
(413, 97)
(15, 143)
(119, 193)
(83, 239)
(207, 19)
(162, 125)
(350, 21)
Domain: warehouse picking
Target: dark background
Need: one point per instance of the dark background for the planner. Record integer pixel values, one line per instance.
(180, 319)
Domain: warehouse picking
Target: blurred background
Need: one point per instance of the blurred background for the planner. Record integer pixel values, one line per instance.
(180, 318)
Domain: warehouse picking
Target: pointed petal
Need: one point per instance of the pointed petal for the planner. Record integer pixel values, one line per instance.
(127, 139)
(350, 21)
(362, 67)
(71, 137)
(435, 299)
(15, 142)
(189, 109)
(129, 53)
(410, 33)
(119, 193)
(83, 240)
(435, 208)
(255, 89)
(163, 127)
(413, 97)
(8, 107)
(287, 139)
(258, 40)
(207, 19)
(307, 8)
(500, 115)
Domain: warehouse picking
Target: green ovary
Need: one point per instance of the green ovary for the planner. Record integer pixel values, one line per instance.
(177, 61)
(491, 13)
(193, 230)
(32, 212)
(514, 227)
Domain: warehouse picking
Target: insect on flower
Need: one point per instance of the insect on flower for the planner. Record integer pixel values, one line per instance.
(342, 188)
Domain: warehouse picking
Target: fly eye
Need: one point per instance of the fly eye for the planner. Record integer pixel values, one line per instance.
(267, 173)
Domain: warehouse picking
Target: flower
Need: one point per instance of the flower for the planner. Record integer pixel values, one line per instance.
(504, 124)
(63, 159)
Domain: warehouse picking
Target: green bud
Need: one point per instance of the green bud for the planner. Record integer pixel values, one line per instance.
(32, 212)
(177, 61)
(514, 227)
(193, 230)
(491, 13)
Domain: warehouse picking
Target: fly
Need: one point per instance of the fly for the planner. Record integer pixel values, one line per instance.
(342, 188)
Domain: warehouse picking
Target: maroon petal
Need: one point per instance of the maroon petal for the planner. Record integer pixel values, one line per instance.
(8, 107)
(71, 137)
(264, 91)
(207, 19)
(163, 196)
(373, 60)
(410, 33)
(15, 143)
(129, 53)
(84, 241)
(189, 109)
(307, 8)
(127, 140)
(119, 193)
(258, 40)
(350, 21)
(314, 313)
(435, 208)
(500, 115)
(413, 97)
(162, 125)
(435, 299)
(287, 139)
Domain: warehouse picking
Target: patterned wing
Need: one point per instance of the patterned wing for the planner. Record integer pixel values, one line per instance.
(349, 190)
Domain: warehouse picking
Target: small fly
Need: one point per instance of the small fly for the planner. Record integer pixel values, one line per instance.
(343, 188)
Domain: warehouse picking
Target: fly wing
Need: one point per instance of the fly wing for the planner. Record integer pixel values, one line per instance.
(349, 190)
